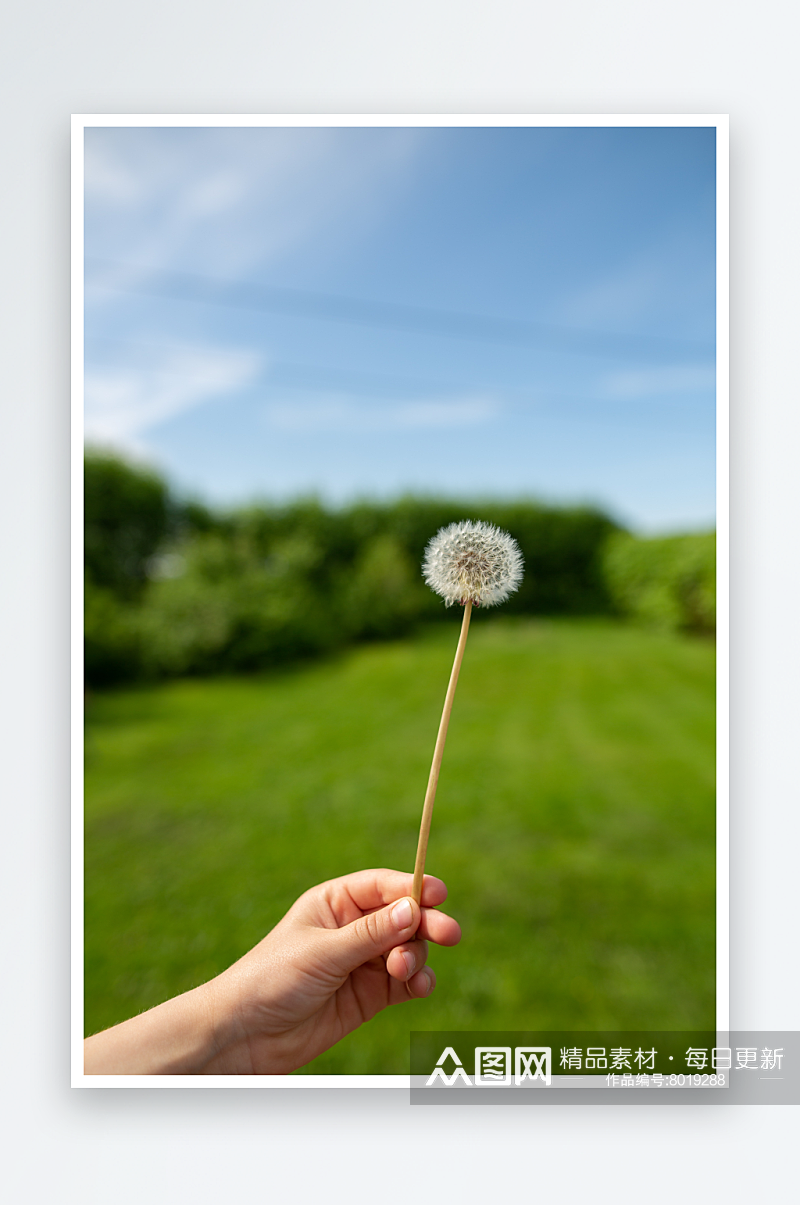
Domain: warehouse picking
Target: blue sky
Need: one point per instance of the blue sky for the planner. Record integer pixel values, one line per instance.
(362, 312)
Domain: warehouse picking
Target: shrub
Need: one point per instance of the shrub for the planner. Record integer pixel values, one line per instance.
(383, 595)
(126, 518)
(112, 650)
(667, 583)
(223, 607)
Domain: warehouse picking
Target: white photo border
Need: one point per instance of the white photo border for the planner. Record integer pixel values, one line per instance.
(80, 122)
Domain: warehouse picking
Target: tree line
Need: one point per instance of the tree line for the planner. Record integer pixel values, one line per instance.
(173, 587)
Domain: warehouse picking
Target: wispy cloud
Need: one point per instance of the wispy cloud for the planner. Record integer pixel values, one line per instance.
(123, 402)
(661, 289)
(338, 413)
(232, 200)
(660, 381)
(620, 296)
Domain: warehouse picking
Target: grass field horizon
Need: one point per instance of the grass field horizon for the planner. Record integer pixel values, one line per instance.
(574, 824)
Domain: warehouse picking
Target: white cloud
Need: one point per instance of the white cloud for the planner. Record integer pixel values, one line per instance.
(121, 403)
(214, 194)
(652, 382)
(226, 201)
(338, 413)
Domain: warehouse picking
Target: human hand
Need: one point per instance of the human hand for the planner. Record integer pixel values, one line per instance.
(345, 950)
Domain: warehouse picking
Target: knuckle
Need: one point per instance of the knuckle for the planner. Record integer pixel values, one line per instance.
(369, 928)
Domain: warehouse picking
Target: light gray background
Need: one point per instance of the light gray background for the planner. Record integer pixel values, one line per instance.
(375, 56)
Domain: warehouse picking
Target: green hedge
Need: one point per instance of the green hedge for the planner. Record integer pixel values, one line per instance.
(174, 588)
(667, 583)
(127, 515)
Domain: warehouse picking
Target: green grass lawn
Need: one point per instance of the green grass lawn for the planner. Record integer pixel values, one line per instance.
(574, 825)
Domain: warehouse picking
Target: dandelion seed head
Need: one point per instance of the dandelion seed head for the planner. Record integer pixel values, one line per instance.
(473, 561)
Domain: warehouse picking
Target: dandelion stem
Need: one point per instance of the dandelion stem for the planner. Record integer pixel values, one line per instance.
(438, 752)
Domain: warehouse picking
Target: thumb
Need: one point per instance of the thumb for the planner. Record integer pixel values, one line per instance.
(374, 934)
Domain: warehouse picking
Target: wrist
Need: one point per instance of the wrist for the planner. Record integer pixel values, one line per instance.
(241, 1041)
(226, 1049)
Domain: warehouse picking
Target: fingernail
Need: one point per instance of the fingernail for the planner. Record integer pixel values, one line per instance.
(411, 963)
(402, 914)
(431, 981)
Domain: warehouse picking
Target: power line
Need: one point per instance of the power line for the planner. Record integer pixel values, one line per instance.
(299, 303)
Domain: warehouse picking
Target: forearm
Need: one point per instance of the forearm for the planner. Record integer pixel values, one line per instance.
(180, 1037)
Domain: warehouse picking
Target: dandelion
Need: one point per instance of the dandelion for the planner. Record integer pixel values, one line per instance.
(474, 564)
